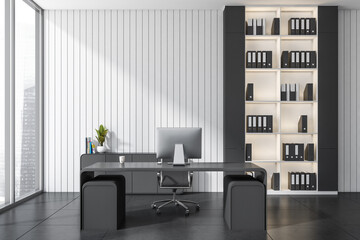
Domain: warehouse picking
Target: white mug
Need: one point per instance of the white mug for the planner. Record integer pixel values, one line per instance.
(122, 159)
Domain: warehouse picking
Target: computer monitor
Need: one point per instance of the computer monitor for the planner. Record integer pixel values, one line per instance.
(186, 141)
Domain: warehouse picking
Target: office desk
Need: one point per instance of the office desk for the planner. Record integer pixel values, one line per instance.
(88, 173)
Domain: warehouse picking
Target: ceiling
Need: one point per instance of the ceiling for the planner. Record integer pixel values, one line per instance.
(183, 4)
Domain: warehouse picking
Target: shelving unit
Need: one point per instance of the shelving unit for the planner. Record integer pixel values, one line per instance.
(267, 147)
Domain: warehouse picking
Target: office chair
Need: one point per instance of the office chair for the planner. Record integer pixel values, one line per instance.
(174, 181)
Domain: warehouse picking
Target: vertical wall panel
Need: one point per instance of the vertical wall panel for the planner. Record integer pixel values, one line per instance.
(132, 71)
(349, 101)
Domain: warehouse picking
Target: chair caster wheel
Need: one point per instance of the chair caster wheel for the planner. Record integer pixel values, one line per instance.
(187, 213)
(153, 206)
(197, 207)
(158, 212)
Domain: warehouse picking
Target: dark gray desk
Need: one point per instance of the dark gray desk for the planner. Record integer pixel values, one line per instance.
(88, 173)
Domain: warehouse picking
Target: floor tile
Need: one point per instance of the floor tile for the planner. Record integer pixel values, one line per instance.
(62, 233)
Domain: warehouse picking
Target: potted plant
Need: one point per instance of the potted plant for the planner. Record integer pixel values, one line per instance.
(101, 135)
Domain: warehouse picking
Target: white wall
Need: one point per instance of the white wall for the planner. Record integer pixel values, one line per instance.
(133, 71)
(349, 100)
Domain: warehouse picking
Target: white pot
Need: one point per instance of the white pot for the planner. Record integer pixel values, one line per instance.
(101, 149)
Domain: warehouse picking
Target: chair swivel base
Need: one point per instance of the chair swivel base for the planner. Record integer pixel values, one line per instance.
(176, 203)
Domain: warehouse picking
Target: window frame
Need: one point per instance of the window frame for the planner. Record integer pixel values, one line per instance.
(10, 101)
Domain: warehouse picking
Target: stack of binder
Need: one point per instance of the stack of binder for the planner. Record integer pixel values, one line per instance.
(302, 181)
(290, 92)
(293, 151)
(256, 26)
(302, 26)
(259, 59)
(259, 123)
(298, 59)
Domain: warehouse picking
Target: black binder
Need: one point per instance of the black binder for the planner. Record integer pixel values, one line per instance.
(248, 152)
(292, 26)
(249, 27)
(302, 59)
(286, 152)
(250, 92)
(312, 181)
(312, 26)
(302, 125)
(249, 127)
(308, 92)
(269, 59)
(297, 181)
(312, 59)
(253, 59)
(291, 151)
(310, 152)
(275, 28)
(259, 124)
(302, 26)
(297, 59)
(254, 123)
(291, 181)
(302, 181)
(269, 122)
(264, 59)
(258, 59)
(307, 181)
(307, 26)
(297, 26)
(285, 59)
(292, 59)
(300, 151)
(264, 124)
(307, 59)
(296, 152)
(248, 59)
(275, 181)
(292, 88)
(259, 29)
(283, 91)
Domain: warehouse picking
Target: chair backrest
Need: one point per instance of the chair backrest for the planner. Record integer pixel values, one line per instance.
(172, 179)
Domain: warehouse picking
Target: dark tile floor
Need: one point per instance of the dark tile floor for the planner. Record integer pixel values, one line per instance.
(56, 216)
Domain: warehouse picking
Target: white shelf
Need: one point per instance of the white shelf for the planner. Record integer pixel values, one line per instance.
(264, 161)
(261, 133)
(282, 102)
(282, 37)
(298, 102)
(262, 102)
(302, 162)
(298, 69)
(267, 147)
(262, 37)
(262, 69)
(297, 133)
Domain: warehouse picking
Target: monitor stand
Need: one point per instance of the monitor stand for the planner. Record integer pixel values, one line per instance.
(179, 158)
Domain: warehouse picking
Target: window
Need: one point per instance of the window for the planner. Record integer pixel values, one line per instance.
(26, 100)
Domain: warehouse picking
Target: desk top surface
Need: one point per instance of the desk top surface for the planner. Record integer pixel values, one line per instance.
(153, 166)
